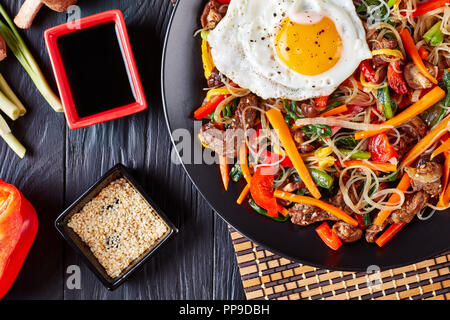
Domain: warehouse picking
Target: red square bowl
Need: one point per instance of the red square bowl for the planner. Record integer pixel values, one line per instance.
(74, 119)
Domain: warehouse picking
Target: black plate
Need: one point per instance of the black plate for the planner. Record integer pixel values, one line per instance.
(182, 84)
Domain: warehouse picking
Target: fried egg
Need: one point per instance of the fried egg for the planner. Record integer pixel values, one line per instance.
(292, 49)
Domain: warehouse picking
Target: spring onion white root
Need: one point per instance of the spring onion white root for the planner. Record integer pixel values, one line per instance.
(9, 93)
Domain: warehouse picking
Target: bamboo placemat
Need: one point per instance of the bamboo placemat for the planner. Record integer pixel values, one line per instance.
(268, 276)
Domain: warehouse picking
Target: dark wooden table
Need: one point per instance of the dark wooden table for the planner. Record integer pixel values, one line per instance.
(199, 263)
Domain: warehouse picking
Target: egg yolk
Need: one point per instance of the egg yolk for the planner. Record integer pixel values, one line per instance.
(309, 49)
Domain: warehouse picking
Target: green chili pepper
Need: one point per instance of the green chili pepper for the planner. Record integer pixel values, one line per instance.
(236, 173)
(384, 97)
(212, 117)
(321, 178)
(263, 212)
(357, 155)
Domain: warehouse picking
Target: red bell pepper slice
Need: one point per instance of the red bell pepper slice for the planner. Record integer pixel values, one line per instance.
(328, 236)
(321, 102)
(395, 78)
(208, 107)
(224, 1)
(428, 6)
(261, 187)
(380, 148)
(389, 233)
(368, 71)
(18, 228)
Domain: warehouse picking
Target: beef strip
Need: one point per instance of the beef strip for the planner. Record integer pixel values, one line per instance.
(411, 132)
(309, 110)
(212, 14)
(426, 177)
(300, 138)
(414, 203)
(223, 142)
(378, 60)
(304, 215)
(372, 231)
(346, 232)
(415, 79)
(244, 112)
(215, 79)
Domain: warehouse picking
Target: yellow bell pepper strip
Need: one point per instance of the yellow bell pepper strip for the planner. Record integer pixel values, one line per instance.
(403, 185)
(445, 146)
(328, 236)
(277, 121)
(428, 100)
(243, 194)
(208, 107)
(208, 64)
(411, 49)
(385, 167)
(334, 111)
(216, 92)
(243, 161)
(223, 165)
(388, 52)
(389, 233)
(426, 142)
(317, 203)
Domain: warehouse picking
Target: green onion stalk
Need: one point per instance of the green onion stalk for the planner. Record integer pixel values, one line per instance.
(10, 139)
(20, 50)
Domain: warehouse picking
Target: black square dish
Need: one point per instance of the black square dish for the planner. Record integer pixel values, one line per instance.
(61, 223)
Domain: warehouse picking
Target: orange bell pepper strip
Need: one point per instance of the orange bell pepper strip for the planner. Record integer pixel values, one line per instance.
(224, 173)
(385, 167)
(403, 185)
(334, 111)
(410, 47)
(328, 236)
(389, 233)
(426, 142)
(444, 197)
(428, 100)
(276, 119)
(243, 194)
(317, 203)
(18, 229)
(243, 161)
(445, 146)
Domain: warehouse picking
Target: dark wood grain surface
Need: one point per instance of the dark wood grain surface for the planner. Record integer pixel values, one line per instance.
(199, 263)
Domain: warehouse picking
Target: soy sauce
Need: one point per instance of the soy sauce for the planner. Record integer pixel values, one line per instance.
(96, 69)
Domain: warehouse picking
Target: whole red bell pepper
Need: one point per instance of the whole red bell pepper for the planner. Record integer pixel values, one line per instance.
(380, 148)
(18, 228)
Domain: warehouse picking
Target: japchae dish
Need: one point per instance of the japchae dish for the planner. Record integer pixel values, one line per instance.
(333, 112)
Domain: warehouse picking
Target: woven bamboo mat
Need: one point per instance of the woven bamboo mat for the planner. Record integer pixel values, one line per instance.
(268, 276)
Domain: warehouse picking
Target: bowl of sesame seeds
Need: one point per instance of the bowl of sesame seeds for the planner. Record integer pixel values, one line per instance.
(115, 226)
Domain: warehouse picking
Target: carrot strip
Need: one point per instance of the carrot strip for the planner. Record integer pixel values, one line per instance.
(243, 194)
(423, 8)
(334, 111)
(243, 161)
(389, 233)
(276, 119)
(429, 99)
(445, 146)
(223, 165)
(403, 185)
(410, 47)
(385, 167)
(426, 142)
(317, 203)
(283, 210)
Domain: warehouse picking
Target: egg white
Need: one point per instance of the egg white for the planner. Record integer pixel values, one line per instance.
(243, 47)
